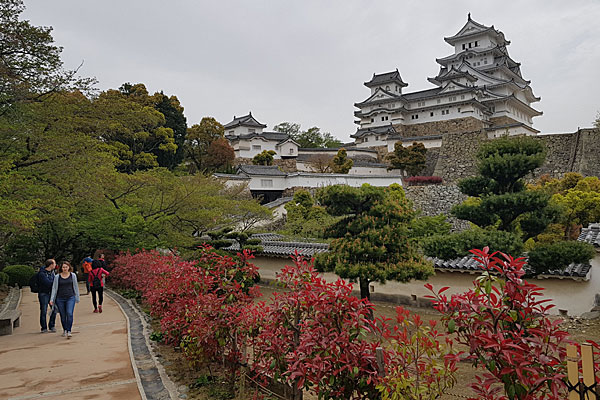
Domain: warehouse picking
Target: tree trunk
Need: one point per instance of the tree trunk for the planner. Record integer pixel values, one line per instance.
(364, 289)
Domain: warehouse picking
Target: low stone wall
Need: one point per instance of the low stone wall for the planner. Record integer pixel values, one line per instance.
(285, 164)
(434, 200)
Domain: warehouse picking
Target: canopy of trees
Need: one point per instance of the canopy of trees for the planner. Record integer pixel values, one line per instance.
(311, 138)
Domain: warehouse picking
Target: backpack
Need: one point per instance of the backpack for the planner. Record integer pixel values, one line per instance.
(97, 281)
(87, 267)
(34, 283)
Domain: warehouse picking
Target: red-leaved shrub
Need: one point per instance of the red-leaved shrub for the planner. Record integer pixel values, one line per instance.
(424, 180)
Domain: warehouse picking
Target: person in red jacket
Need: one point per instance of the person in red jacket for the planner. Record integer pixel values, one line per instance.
(96, 281)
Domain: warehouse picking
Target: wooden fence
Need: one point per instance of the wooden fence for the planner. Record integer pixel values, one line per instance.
(581, 387)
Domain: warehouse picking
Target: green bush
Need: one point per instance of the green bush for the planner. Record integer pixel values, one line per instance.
(19, 274)
(457, 245)
(3, 278)
(552, 256)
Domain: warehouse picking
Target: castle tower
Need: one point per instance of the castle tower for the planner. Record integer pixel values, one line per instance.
(479, 87)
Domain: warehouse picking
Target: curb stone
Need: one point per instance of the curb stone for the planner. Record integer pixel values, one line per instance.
(153, 382)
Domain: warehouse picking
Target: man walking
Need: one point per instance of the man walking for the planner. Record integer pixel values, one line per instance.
(45, 280)
(86, 266)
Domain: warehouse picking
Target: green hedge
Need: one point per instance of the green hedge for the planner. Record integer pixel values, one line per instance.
(19, 274)
(553, 256)
(3, 278)
(457, 245)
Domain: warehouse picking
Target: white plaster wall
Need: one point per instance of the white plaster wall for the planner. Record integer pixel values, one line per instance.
(577, 297)
(371, 171)
(242, 130)
(288, 149)
(245, 147)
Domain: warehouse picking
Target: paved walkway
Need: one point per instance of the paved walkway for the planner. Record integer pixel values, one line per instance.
(93, 364)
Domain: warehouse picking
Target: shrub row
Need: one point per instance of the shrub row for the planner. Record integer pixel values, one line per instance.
(19, 274)
(424, 180)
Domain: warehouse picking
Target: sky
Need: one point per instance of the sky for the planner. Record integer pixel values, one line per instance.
(305, 61)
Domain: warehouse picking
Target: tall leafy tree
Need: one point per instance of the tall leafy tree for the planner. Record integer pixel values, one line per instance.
(171, 108)
(411, 159)
(372, 240)
(137, 133)
(30, 63)
(199, 138)
(220, 155)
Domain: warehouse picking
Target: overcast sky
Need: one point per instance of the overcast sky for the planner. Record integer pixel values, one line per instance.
(305, 61)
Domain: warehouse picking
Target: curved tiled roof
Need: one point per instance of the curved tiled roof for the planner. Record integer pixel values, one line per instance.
(388, 77)
(246, 120)
(591, 235)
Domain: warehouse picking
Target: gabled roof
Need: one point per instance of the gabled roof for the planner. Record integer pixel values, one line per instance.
(267, 136)
(388, 77)
(452, 73)
(476, 51)
(271, 170)
(377, 130)
(246, 120)
(472, 28)
(389, 96)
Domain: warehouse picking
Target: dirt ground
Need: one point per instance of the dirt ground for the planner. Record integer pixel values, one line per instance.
(202, 389)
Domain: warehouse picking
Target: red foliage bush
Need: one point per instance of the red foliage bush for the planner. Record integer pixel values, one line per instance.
(423, 180)
(312, 336)
(508, 332)
(203, 305)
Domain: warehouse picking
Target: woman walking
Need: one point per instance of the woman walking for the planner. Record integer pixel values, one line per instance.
(96, 280)
(65, 293)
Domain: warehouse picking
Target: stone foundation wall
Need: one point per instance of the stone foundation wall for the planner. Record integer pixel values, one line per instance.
(457, 156)
(437, 199)
(285, 164)
(431, 158)
(468, 124)
(498, 121)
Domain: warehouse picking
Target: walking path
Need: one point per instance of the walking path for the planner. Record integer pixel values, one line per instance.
(94, 364)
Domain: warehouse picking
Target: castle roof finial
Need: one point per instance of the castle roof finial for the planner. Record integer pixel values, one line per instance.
(469, 17)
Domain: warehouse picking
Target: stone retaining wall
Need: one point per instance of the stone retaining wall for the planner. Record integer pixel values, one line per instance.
(457, 125)
(437, 199)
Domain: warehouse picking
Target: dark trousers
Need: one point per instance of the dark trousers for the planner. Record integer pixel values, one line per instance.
(44, 299)
(100, 292)
(87, 282)
(66, 308)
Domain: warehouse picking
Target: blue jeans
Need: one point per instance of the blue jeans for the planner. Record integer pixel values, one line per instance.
(65, 308)
(44, 299)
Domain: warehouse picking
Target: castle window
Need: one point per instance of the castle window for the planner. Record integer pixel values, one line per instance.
(431, 114)
(387, 88)
(251, 130)
(256, 147)
(366, 139)
(485, 60)
(266, 183)
(458, 109)
(462, 96)
(476, 43)
(453, 98)
(376, 137)
(291, 151)
(470, 44)
(464, 46)
(372, 119)
(414, 116)
(439, 101)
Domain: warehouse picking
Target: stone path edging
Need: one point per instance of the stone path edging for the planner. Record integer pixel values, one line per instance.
(153, 382)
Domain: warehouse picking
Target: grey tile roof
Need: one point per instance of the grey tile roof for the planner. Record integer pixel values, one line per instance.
(246, 120)
(591, 235)
(286, 249)
(377, 130)
(388, 77)
(260, 170)
(273, 204)
(469, 264)
(422, 94)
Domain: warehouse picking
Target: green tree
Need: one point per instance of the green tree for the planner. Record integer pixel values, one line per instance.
(137, 133)
(341, 164)
(411, 159)
(500, 199)
(371, 241)
(264, 158)
(30, 63)
(311, 138)
(305, 218)
(199, 138)
(171, 108)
